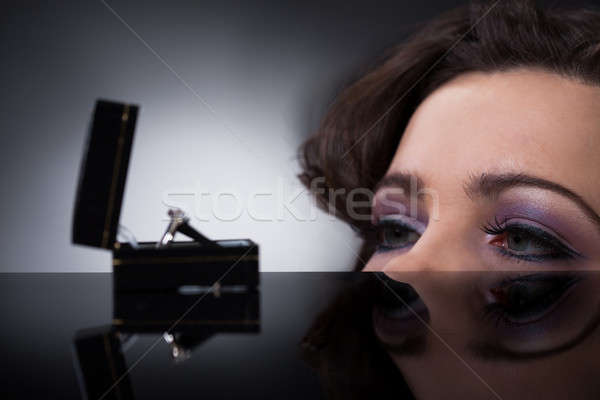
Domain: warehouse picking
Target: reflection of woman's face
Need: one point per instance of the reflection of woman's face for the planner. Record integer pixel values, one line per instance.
(497, 176)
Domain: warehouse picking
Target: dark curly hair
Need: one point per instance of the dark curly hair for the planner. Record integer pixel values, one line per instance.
(360, 133)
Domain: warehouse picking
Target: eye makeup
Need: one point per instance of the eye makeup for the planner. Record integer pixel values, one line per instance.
(530, 315)
(527, 240)
(392, 201)
(394, 232)
(397, 222)
(523, 300)
(547, 222)
(522, 226)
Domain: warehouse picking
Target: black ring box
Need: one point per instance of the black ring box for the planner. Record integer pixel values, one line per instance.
(148, 281)
(189, 290)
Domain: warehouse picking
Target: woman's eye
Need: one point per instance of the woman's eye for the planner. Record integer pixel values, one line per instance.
(394, 236)
(528, 299)
(528, 243)
(524, 242)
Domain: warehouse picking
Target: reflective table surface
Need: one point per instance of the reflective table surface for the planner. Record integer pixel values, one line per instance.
(401, 335)
(42, 313)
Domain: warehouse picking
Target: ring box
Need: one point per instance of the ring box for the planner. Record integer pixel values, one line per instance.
(154, 286)
(188, 290)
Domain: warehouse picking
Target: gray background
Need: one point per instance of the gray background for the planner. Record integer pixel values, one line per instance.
(228, 90)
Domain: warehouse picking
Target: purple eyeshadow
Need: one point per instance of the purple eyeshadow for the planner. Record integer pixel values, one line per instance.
(548, 218)
(399, 205)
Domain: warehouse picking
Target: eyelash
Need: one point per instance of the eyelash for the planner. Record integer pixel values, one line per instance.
(372, 234)
(508, 314)
(558, 249)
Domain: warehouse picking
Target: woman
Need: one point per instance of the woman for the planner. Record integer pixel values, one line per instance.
(477, 143)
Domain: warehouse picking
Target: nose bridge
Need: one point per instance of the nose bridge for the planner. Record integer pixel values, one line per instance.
(411, 261)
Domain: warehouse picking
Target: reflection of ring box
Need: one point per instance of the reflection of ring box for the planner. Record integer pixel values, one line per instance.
(155, 287)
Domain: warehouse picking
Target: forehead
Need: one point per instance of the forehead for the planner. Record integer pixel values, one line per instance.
(524, 121)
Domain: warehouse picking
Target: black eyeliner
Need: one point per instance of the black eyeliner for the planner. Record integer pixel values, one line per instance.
(372, 234)
(507, 314)
(560, 250)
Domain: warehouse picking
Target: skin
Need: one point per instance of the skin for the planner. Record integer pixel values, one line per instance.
(523, 122)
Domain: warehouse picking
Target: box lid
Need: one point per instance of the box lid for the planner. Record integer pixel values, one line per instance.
(103, 173)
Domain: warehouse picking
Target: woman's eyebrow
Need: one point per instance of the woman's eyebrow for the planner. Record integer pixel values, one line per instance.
(492, 185)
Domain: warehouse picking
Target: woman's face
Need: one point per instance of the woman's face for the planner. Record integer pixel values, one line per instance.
(489, 210)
